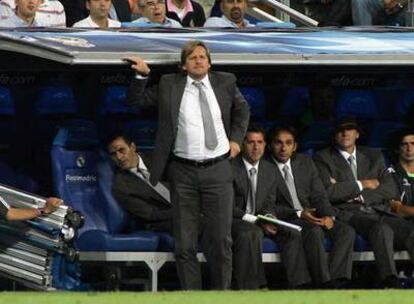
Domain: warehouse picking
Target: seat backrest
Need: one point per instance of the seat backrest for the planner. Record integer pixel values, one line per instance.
(116, 217)
(381, 133)
(256, 99)
(360, 104)
(114, 101)
(55, 99)
(7, 106)
(74, 156)
(295, 102)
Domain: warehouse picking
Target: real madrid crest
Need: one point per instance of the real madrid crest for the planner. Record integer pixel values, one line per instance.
(80, 161)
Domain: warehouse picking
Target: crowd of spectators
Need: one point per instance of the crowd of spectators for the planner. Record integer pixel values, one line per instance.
(187, 13)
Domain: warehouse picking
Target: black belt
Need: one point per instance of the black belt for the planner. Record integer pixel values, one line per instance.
(201, 163)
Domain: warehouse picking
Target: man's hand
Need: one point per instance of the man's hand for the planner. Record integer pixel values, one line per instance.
(269, 229)
(234, 149)
(328, 222)
(370, 183)
(308, 215)
(52, 203)
(332, 180)
(396, 206)
(138, 65)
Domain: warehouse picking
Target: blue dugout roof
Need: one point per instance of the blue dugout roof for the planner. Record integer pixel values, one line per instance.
(345, 46)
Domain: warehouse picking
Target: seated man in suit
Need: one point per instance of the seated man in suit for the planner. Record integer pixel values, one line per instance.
(403, 175)
(255, 185)
(359, 185)
(301, 192)
(131, 188)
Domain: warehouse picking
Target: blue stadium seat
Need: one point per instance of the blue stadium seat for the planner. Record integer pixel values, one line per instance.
(142, 132)
(295, 102)
(317, 136)
(269, 246)
(56, 99)
(406, 103)
(8, 123)
(6, 102)
(381, 132)
(256, 99)
(114, 101)
(10, 177)
(360, 104)
(81, 178)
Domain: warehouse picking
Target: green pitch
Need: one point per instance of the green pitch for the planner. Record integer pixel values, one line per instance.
(214, 297)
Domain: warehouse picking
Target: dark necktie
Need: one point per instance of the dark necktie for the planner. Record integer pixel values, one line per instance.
(291, 187)
(210, 136)
(251, 202)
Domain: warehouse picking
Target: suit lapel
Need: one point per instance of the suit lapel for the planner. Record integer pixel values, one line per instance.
(177, 92)
(217, 88)
(362, 164)
(261, 185)
(341, 162)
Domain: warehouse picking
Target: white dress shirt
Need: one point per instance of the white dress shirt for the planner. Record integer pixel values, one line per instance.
(88, 22)
(189, 142)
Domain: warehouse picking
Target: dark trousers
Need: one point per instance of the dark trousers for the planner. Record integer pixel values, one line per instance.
(339, 263)
(248, 268)
(202, 198)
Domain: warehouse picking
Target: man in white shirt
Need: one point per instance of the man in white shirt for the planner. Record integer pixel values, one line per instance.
(50, 13)
(23, 16)
(233, 15)
(154, 11)
(304, 202)
(359, 185)
(202, 121)
(255, 191)
(98, 15)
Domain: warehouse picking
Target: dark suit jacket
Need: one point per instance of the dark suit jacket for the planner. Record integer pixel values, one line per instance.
(76, 10)
(138, 198)
(195, 18)
(370, 165)
(309, 187)
(167, 96)
(266, 189)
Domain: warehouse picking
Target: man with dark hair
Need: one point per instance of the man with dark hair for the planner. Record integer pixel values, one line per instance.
(202, 121)
(306, 202)
(153, 11)
(98, 15)
(359, 185)
(255, 184)
(233, 15)
(377, 12)
(151, 205)
(403, 175)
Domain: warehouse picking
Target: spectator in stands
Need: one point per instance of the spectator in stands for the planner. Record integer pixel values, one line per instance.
(189, 13)
(23, 16)
(403, 175)
(305, 202)
(76, 10)
(339, 12)
(50, 13)
(98, 15)
(202, 121)
(371, 12)
(250, 172)
(153, 11)
(233, 15)
(131, 188)
(22, 214)
(360, 186)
